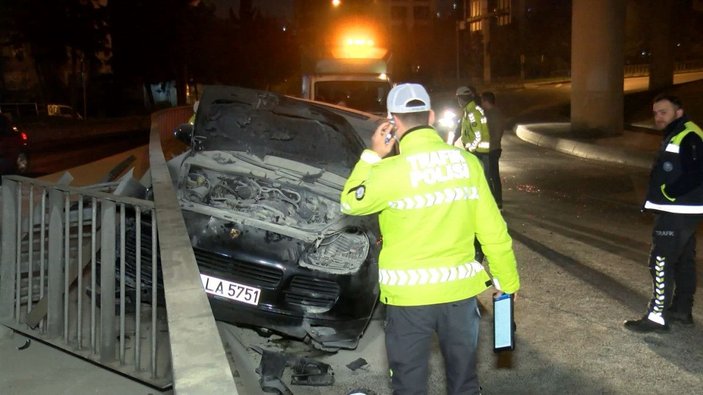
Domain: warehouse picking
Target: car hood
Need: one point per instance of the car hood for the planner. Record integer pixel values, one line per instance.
(264, 124)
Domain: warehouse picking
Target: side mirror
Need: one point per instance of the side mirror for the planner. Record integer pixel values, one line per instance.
(184, 133)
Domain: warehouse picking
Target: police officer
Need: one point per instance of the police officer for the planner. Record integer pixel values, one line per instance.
(433, 200)
(676, 196)
(474, 135)
(496, 123)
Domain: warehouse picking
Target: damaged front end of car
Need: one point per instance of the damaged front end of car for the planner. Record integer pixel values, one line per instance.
(259, 192)
(310, 271)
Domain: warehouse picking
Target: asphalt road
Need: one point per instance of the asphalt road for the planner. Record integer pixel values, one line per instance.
(582, 247)
(51, 158)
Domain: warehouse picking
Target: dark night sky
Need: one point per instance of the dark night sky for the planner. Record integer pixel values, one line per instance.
(274, 8)
(284, 8)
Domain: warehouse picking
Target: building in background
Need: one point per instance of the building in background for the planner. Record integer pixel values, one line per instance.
(18, 73)
(105, 53)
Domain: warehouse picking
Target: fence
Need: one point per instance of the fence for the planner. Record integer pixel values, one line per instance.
(636, 70)
(65, 276)
(72, 274)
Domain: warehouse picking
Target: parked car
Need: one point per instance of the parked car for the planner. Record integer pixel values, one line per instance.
(33, 111)
(63, 111)
(259, 190)
(14, 154)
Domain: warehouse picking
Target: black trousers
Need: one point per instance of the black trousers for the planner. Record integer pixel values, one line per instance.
(409, 331)
(494, 173)
(489, 161)
(672, 263)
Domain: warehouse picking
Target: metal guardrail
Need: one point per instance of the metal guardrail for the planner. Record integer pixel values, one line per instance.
(200, 365)
(65, 277)
(635, 70)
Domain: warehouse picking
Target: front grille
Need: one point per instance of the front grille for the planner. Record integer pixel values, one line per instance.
(311, 291)
(246, 272)
(146, 253)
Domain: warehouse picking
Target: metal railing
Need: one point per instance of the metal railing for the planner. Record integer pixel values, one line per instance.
(79, 269)
(635, 70)
(64, 276)
(200, 364)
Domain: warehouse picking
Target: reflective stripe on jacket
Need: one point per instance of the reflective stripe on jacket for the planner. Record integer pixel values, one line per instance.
(474, 129)
(666, 170)
(432, 200)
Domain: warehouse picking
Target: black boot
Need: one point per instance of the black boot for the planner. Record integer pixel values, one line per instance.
(680, 311)
(680, 318)
(645, 325)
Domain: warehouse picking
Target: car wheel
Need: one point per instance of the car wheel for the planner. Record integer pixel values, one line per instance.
(22, 163)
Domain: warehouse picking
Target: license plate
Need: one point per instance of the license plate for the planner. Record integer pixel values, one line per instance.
(230, 290)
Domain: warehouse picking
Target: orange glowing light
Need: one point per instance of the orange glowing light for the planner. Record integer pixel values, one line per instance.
(358, 48)
(358, 44)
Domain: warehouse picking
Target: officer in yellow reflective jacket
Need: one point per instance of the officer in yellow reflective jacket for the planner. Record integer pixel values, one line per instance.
(474, 136)
(433, 200)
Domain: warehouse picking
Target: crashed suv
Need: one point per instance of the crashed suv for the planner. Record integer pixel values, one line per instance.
(259, 191)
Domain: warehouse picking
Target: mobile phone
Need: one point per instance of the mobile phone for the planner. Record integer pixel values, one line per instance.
(503, 323)
(390, 135)
(388, 138)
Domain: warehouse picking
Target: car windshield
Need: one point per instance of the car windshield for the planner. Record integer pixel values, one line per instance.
(367, 96)
(263, 123)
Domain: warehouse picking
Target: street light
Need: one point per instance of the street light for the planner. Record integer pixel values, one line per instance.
(336, 3)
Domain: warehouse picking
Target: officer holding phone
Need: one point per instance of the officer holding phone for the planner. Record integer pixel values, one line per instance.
(433, 201)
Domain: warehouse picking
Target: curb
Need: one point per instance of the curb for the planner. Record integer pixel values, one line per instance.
(530, 134)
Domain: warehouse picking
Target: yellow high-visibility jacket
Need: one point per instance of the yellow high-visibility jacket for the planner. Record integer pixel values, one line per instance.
(474, 129)
(432, 200)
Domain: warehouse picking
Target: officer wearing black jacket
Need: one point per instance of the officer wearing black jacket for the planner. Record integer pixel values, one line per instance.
(676, 196)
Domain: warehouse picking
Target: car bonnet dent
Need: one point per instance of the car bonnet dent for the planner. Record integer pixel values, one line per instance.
(265, 124)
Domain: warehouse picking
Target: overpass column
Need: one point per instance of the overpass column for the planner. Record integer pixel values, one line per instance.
(661, 68)
(597, 59)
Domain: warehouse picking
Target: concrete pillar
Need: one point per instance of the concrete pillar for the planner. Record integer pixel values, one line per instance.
(522, 28)
(597, 60)
(486, 27)
(661, 69)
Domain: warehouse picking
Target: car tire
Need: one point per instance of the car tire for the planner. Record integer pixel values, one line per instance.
(22, 163)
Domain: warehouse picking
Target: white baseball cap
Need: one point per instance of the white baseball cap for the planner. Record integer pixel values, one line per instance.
(404, 98)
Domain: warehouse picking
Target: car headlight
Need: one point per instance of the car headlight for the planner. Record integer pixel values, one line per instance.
(446, 124)
(340, 253)
(448, 120)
